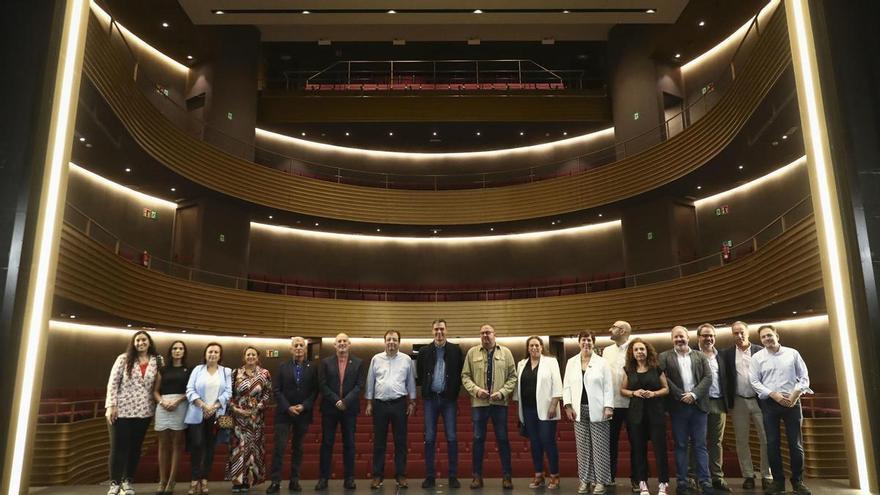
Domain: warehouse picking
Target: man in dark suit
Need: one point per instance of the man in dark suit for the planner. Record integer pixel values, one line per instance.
(340, 381)
(718, 393)
(295, 387)
(689, 378)
(439, 372)
(742, 402)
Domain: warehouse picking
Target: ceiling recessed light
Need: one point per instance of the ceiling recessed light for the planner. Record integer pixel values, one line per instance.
(127, 169)
(165, 24)
(740, 167)
(173, 189)
(677, 55)
(270, 217)
(218, 12)
(651, 11)
(82, 139)
(565, 12)
(129, 325)
(434, 133)
(306, 12)
(600, 214)
(392, 11)
(72, 317)
(521, 133)
(785, 136)
(435, 231)
(189, 57)
(347, 134)
(302, 134)
(492, 229)
(390, 133)
(564, 133)
(378, 230)
(478, 11)
(794, 312)
(478, 133)
(699, 187)
(701, 23)
(316, 224)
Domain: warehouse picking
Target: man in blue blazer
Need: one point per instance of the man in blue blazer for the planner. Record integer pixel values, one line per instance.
(340, 379)
(296, 388)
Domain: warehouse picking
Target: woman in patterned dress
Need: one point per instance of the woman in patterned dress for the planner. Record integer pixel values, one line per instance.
(252, 387)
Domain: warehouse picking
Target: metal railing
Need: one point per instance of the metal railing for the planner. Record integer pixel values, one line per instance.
(83, 223)
(696, 109)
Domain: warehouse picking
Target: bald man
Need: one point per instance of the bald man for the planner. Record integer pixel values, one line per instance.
(340, 380)
(296, 388)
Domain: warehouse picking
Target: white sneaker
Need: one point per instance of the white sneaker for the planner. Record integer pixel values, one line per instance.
(663, 487)
(114, 488)
(126, 488)
(599, 489)
(643, 488)
(583, 488)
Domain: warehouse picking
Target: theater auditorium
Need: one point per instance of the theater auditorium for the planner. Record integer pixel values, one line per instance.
(522, 246)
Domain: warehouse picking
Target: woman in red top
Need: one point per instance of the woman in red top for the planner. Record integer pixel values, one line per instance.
(130, 406)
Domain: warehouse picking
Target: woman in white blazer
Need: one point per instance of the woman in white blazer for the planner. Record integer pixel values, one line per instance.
(538, 393)
(208, 391)
(588, 397)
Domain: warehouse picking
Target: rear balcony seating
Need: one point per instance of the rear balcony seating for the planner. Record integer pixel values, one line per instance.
(423, 86)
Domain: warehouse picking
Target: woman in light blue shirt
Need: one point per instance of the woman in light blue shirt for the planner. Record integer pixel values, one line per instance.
(208, 390)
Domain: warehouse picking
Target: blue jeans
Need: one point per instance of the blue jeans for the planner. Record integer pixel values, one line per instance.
(481, 416)
(447, 409)
(689, 425)
(791, 418)
(542, 439)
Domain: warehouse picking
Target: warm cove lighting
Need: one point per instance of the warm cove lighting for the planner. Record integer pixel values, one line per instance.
(527, 236)
(38, 296)
(132, 38)
(107, 183)
(732, 40)
(829, 224)
(466, 155)
(776, 174)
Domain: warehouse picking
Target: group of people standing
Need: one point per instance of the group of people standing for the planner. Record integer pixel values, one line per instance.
(628, 383)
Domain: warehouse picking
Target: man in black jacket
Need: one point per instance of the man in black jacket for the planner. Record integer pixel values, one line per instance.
(295, 387)
(439, 372)
(717, 417)
(340, 380)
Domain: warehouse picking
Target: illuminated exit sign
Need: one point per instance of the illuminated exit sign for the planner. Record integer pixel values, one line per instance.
(151, 214)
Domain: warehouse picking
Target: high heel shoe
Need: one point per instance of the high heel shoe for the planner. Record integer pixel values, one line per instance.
(204, 487)
(169, 488)
(195, 488)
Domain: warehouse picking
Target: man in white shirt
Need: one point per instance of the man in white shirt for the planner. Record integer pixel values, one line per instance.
(779, 377)
(689, 378)
(717, 403)
(615, 356)
(391, 397)
(742, 402)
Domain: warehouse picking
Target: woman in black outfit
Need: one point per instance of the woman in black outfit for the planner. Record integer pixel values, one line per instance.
(170, 395)
(646, 417)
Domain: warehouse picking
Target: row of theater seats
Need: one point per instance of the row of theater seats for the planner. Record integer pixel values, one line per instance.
(436, 87)
(274, 284)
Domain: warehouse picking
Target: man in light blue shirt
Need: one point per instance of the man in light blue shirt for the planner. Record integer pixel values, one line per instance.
(779, 376)
(391, 394)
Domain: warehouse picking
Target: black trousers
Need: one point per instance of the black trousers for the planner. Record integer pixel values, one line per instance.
(282, 431)
(640, 433)
(126, 439)
(202, 442)
(617, 422)
(393, 412)
(330, 418)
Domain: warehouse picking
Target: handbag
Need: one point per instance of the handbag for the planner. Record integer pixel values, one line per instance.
(225, 421)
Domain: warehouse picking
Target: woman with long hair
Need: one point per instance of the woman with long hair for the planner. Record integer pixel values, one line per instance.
(208, 390)
(539, 392)
(171, 406)
(588, 398)
(252, 388)
(129, 407)
(646, 384)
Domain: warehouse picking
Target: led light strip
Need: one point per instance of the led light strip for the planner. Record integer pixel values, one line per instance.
(728, 42)
(139, 196)
(333, 236)
(819, 155)
(465, 155)
(60, 133)
(779, 172)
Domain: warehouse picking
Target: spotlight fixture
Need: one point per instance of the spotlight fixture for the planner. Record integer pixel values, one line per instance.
(302, 134)
(219, 12)
(521, 133)
(270, 217)
(316, 224)
(128, 326)
(677, 55)
(701, 23)
(785, 136)
(600, 215)
(392, 11)
(390, 133)
(189, 57)
(72, 317)
(699, 187)
(306, 12)
(651, 11)
(347, 133)
(564, 133)
(478, 133)
(82, 139)
(378, 230)
(435, 231)
(183, 331)
(794, 312)
(565, 12)
(244, 335)
(491, 229)
(127, 169)
(478, 11)
(173, 189)
(165, 25)
(434, 133)
(740, 167)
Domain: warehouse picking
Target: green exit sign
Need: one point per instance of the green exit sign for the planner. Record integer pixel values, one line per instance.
(636, 116)
(151, 214)
(650, 236)
(722, 210)
(222, 238)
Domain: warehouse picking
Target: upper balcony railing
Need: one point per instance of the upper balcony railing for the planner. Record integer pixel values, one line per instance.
(136, 255)
(578, 163)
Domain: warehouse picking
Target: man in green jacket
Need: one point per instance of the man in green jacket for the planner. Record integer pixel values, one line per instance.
(489, 376)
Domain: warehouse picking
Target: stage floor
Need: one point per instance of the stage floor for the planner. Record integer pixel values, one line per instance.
(493, 486)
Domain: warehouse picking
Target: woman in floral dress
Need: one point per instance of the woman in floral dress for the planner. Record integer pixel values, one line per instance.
(250, 395)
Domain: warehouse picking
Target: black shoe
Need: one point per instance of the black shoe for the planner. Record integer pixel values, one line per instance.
(274, 487)
(706, 488)
(720, 485)
(429, 482)
(454, 483)
(321, 485)
(765, 483)
(293, 486)
(799, 488)
(682, 488)
(749, 483)
(349, 484)
(775, 488)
